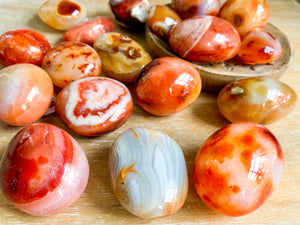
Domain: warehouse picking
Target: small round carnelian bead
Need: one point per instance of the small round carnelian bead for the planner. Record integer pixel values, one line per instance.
(167, 85)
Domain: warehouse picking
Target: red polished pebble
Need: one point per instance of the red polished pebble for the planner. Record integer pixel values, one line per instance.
(259, 46)
(167, 85)
(89, 31)
(71, 60)
(26, 92)
(23, 46)
(205, 39)
(93, 106)
(43, 170)
(189, 8)
(237, 168)
(245, 15)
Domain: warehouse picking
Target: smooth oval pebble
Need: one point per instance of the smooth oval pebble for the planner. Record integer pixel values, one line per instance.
(26, 92)
(122, 57)
(148, 173)
(23, 46)
(43, 170)
(261, 100)
(71, 60)
(94, 105)
(205, 39)
(238, 168)
(89, 31)
(167, 85)
(63, 14)
(245, 15)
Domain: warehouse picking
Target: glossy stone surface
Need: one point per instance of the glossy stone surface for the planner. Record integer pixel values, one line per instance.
(245, 15)
(256, 100)
(259, 46)
(93, 106)
(88, 32)
(26, 92)
(70, 61)
(205, 39)
(161, 20)
(122, 57)
(130, 13)
(63, 14)
(43, 170)
(237, 168)
(148, 173)
(167, 85)
(189, 8)
(23, 46)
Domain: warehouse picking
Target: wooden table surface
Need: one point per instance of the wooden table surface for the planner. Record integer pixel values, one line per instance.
(189, 128)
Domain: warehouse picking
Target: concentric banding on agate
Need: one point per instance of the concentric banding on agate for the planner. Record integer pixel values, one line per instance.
(148, 173)
(103, 103)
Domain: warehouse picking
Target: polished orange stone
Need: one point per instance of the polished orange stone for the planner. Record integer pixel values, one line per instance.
(89, 31)
(43, 170)
(167, 85)
(26, 93)
(245, 15)
(23, 46)
(259, 46)
(237, 168)
(205, 39)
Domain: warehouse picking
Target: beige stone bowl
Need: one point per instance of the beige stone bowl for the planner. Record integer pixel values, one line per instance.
(216, 75)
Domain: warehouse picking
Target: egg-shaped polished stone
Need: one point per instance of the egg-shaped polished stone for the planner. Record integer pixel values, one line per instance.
(167, 85)
(148, 173)
(245, 15)
(23, 46)
(43, 170)
(71, 60)
(237, 168)
(122, 57)
(205, 39)
(26, 92)
(261, 100)
(63, 14)
(94, 105)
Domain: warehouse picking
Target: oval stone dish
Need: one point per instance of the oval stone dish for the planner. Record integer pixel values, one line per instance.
(216, 75)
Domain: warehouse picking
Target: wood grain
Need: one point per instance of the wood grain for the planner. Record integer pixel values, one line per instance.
(189, 128)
